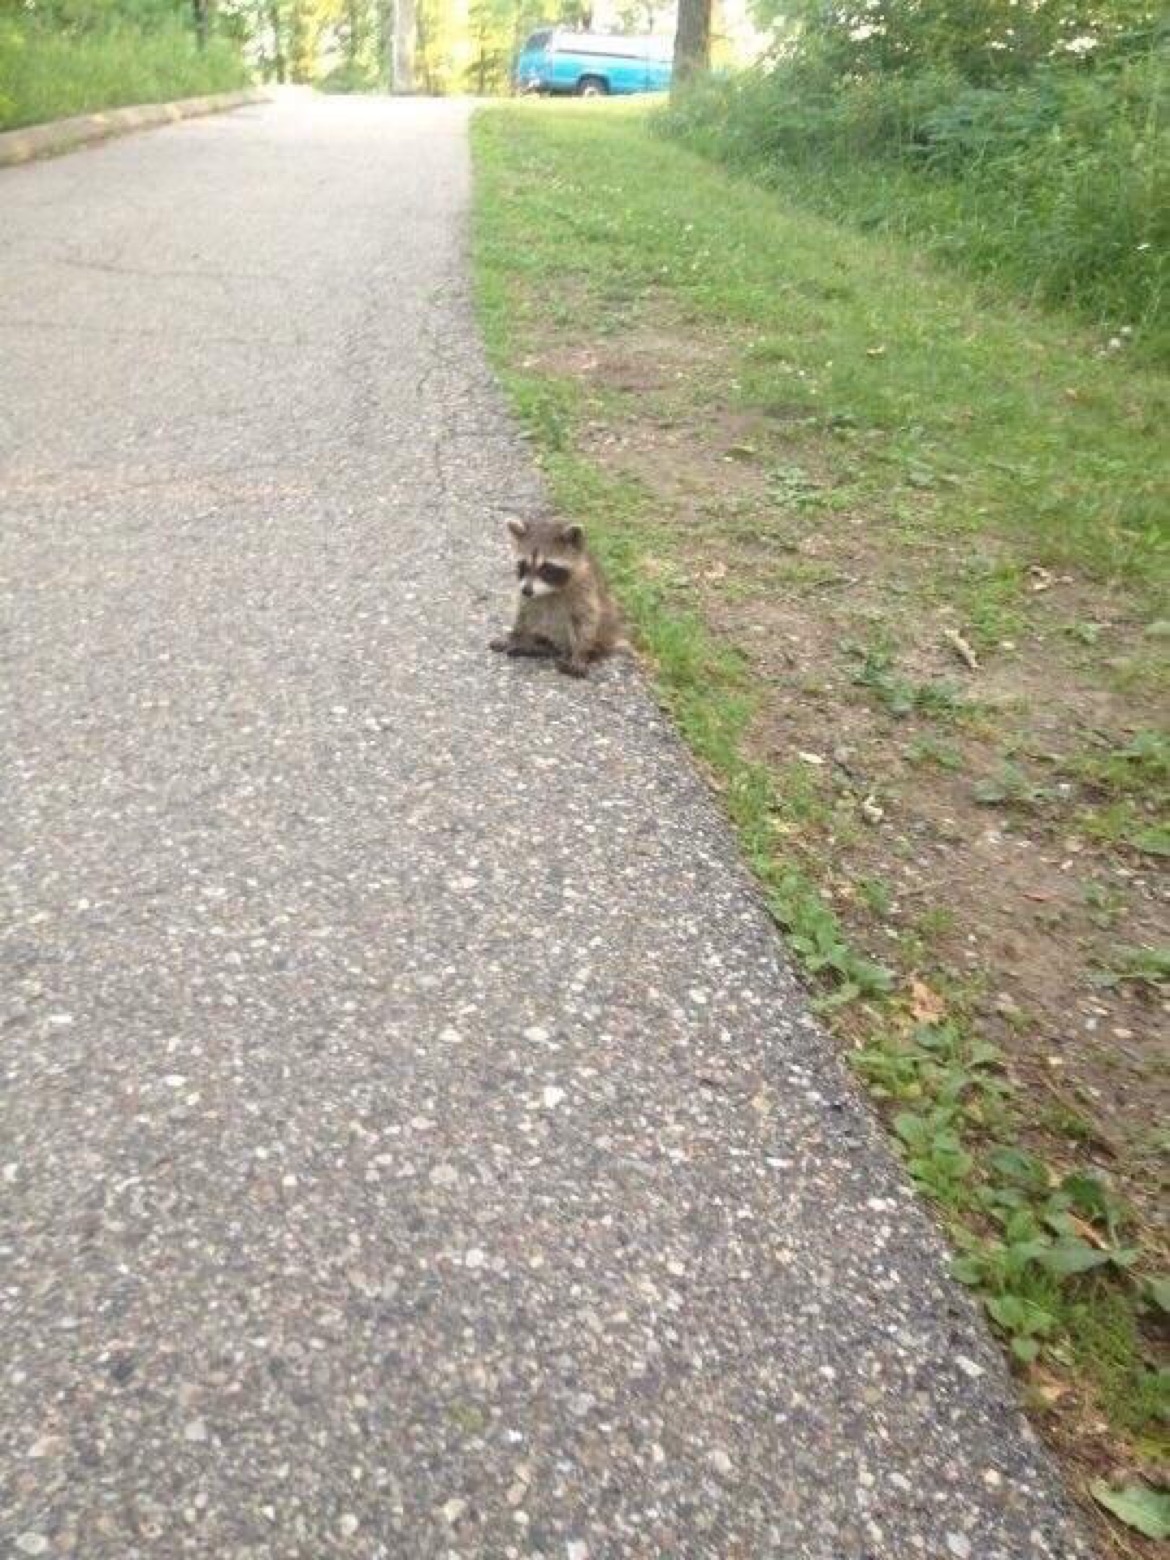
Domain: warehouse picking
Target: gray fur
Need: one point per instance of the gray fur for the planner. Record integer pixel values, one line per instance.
(574, 620)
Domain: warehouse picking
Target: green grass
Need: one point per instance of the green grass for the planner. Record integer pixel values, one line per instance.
(46, 75)
(984, 417)
(938, 413)
(1054, 184)
(1130, 787)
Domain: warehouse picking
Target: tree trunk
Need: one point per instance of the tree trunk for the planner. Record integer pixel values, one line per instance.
(300, 49)
(692, 42)
(353, 31)
(386, 10)
(405, 27)
(199, 9)
(278, 58)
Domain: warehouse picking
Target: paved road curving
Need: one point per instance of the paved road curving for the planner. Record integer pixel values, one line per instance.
(413, 1143)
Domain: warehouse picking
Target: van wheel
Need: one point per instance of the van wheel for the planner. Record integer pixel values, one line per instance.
(592, 86)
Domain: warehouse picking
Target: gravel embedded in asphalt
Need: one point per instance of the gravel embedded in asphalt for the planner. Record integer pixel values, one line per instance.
(413, 1140)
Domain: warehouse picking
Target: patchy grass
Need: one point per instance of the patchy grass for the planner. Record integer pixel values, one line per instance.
(894, 556)
(51, 75)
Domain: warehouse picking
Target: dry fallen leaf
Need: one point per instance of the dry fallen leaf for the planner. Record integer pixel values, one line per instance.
(1047, 1388)
(926, 1005)
(1086, 1231)
(961, 648)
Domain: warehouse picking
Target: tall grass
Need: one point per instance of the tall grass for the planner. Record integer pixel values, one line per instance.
(1058, 184)
(48, 75)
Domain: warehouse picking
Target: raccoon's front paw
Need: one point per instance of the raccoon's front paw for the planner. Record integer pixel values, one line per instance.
(573, 668)
(503, 644)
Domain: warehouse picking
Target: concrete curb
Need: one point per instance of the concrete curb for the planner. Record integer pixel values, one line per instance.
(64, 135)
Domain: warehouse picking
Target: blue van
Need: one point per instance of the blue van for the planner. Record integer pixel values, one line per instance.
(554, 59)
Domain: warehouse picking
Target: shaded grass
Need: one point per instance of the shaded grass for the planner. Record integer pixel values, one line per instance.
(46, 75)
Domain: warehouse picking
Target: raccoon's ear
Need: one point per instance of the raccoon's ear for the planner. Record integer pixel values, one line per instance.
(573, 535)
(518, 528)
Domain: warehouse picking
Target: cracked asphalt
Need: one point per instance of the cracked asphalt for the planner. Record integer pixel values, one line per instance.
(414, 1142)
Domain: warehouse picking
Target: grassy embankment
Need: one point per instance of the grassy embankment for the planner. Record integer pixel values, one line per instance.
(1056, 183)
(46, 75)
(894, 547)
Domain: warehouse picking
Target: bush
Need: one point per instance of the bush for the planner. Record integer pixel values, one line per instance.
(50, 74)
(1059, 183)
(350, 76)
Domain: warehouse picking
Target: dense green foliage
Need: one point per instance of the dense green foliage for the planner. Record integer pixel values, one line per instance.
(1046, 166)
(87, 18)
(62, 57)
(983, 41)
(497, 30)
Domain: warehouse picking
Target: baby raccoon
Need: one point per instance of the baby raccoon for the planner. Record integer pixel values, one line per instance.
(564, 608)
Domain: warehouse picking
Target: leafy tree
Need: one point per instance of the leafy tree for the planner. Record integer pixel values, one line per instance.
(984, 41)
(95, 16)
(497, 29)
(644, 16)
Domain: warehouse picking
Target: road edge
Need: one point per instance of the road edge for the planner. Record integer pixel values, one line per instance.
(57, 136)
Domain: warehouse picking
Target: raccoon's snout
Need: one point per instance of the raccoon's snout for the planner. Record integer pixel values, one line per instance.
(526, 588)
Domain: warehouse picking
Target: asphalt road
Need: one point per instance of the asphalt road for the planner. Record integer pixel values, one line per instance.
(413, 1142)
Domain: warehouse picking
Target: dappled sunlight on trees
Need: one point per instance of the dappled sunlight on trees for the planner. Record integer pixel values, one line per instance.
(404, 46)
(983, 40)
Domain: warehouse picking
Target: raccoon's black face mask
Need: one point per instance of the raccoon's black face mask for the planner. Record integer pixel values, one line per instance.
(539, 577)
(547, 554)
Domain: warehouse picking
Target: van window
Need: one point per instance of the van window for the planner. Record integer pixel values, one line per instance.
(537, 40)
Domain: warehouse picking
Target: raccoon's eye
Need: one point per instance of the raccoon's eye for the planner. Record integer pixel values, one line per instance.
(554, 573)
(522, 568)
